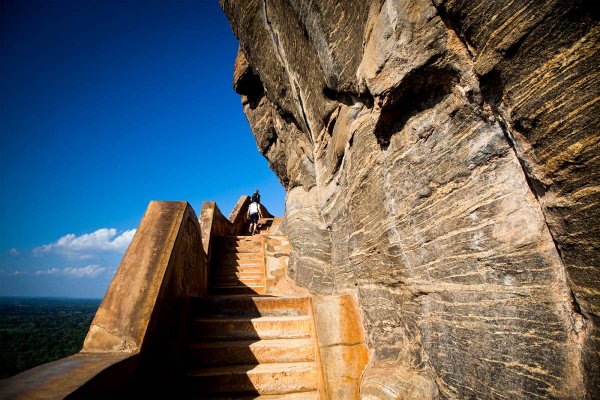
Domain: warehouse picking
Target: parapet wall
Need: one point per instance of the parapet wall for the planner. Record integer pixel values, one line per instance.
(164, 263)
(138, 327)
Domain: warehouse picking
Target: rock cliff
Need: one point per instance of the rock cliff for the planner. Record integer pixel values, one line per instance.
(441, 163)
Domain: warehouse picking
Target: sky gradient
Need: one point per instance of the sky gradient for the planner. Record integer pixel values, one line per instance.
(104, 106)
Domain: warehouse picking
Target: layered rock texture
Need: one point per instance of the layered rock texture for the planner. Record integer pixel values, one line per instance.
(442, 164)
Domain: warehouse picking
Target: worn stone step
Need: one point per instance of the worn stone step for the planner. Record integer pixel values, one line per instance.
(227, 265)
(240, 244)
(287, 396)
(238, 328)
(218, 250)
(237, 289)
(221, 256)
(235, 253)
(239, 266)
(237, 239)
(253, 285)
(250, 306)
(237, 271)
(238, 255)
(233, 269)
(233, 256)
(234, 273)
(273, 378)
(251, 352)
(235, 281)
(220, 274)
(242, 271)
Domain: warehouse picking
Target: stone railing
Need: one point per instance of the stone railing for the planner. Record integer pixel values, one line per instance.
(138, 328)
(213, 223)
(134, 343)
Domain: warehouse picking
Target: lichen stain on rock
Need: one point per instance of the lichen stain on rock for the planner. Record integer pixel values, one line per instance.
(441, 161)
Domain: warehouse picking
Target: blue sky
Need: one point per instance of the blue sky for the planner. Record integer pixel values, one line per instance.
(104, 106)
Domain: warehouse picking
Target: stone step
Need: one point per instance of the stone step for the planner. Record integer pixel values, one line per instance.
(237, 239)
(246, 244)
(253, 272)
(237, 281)
(239, 271)
(234, 265)
(226, 265)
(219, 258)
(233, 254)
(287, 396)
(237, 249)
(238, 328)
(251, 352)
(237, 289)
(250, 306)
(274, 378)
(238, 254)
(225, 274)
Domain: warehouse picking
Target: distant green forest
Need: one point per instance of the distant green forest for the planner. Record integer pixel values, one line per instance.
(35, 331)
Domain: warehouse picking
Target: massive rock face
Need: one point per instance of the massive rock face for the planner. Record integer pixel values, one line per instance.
(441, 162)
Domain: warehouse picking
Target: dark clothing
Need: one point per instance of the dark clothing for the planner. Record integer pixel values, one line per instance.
(254, 218)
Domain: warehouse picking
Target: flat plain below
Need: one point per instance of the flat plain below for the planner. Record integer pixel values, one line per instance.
(37, 330)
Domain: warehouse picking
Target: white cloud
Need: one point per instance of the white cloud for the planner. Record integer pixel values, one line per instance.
(105, 239)
(13, 252)
(89, 271)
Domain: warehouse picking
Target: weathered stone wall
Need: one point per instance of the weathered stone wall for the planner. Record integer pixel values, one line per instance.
(133, 346)
(163, 267)
(441, 160)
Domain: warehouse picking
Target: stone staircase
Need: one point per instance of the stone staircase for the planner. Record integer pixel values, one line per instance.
(238, 265)
(243, 345)
(255, 335)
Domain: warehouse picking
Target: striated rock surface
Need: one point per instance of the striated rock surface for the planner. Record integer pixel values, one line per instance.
(442, 164)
